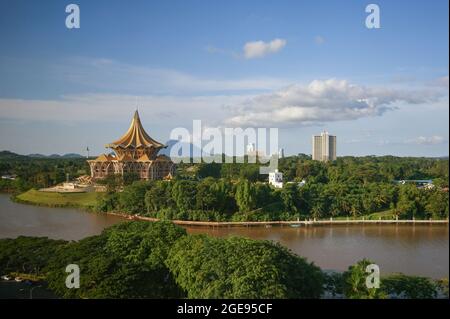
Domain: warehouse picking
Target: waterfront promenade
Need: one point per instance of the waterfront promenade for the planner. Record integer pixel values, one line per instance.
(298, 223)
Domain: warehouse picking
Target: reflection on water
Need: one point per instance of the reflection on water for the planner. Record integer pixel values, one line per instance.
(57, 223)
(418, 250)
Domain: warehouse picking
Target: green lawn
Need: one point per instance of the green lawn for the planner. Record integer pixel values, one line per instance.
(387, 214)
(82, 200)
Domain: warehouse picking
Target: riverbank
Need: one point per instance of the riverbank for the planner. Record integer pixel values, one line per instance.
(85, 201)
(395, 247)
(285, 222)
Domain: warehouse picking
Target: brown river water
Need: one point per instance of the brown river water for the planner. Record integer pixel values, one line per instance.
(411, 249)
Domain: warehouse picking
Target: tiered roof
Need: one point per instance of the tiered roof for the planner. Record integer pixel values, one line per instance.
(105, 158)
(135, 137)
(144, 158)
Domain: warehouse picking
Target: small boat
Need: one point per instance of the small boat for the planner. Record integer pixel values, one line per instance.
(268, 226)
(295, 225)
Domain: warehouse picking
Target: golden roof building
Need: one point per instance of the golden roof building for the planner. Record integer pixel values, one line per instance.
(134, 153)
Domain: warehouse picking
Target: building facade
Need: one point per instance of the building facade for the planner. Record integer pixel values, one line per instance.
(134, 153)
(324, 147)
(276, 179)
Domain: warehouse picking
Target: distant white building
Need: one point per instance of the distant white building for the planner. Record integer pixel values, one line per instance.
(429, 186)
(324, 147)
(251, 148)
(253, 151)
(279, 154)
(68, 185)
(420, 183)
(276, 179)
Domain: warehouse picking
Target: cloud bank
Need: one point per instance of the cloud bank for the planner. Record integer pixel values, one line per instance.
(323, 101)
(432, 140)
(113, 76)
(318, 102)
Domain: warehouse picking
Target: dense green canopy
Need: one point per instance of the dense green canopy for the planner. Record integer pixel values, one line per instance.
(207, 267)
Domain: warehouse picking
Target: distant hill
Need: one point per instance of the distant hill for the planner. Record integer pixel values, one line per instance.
(69, 155)
(12, 155)
(72, 155)
(36, 155)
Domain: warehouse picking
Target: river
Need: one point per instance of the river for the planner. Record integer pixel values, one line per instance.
(411, 249)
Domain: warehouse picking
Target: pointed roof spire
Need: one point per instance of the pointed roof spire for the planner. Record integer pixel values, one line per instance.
(135, 136)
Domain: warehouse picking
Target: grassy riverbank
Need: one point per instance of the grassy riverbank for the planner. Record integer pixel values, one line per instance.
(77, 200)
(360, 221)
(384, 215)
(88, 201)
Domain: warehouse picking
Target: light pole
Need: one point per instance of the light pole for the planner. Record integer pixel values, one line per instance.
(31, 291)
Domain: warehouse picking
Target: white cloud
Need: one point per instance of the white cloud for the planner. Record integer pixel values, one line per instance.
(106, 75)
(167, 110)
(258, 49)
(322, 101)
(178, 98)
(432, 140)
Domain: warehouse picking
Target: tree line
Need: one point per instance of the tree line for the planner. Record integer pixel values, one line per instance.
(348, 187)
(37, 172)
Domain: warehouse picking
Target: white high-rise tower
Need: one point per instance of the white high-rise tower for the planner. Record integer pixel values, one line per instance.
(324, 147)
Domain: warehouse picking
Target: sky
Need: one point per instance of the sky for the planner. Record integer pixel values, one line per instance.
(299, 66)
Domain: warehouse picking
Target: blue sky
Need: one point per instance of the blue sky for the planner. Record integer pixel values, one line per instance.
(301, 66)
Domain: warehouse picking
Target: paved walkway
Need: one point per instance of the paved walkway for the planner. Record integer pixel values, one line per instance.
(291, 223)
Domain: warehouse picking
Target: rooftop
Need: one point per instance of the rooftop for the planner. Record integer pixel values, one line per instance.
(135, 137)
